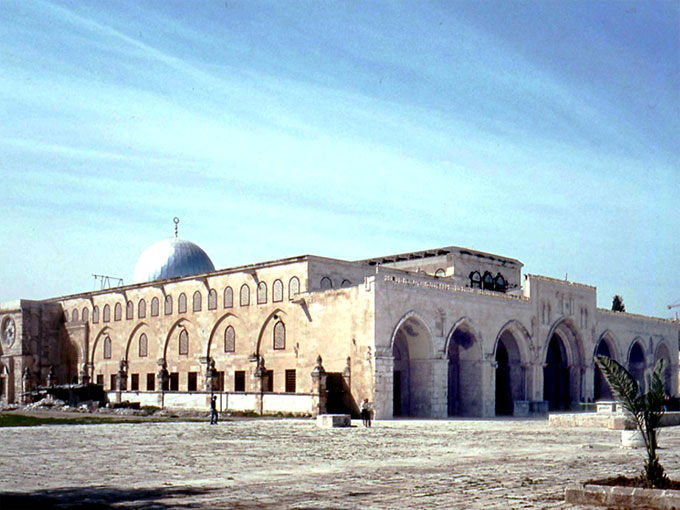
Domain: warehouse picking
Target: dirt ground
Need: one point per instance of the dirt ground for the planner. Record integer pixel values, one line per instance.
(292, 464)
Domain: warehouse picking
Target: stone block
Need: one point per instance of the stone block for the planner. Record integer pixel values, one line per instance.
(521, 408)
(333, 420)
(538, 407)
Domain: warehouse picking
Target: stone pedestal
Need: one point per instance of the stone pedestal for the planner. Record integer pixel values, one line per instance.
(333, 420)
(319, 392)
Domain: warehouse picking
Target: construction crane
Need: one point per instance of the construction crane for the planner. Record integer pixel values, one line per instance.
(106, 281)
(670, 307)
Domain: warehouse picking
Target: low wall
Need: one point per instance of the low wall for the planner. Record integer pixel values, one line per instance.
(272, 403)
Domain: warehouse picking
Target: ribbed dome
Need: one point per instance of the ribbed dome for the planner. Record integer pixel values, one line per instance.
(171, 258)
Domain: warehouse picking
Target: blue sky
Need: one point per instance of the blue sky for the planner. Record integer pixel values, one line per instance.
(544, 131)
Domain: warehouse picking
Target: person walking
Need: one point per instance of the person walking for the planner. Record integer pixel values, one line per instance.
(365, 409)
(213, 410)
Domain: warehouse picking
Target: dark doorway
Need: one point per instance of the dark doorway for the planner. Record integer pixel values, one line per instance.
(503, 386)
(636, 364)
(396, 392)
(602, 390)
(339, 397)
(556, 376)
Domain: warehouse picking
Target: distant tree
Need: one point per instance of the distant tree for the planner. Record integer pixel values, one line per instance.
(646, 409)
(617, 304)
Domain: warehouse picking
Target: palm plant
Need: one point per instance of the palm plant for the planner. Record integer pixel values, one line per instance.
(645, 408)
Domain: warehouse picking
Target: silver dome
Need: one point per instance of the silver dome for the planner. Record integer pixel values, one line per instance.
(171, 258)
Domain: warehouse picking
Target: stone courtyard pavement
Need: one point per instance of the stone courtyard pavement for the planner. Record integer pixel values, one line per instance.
(292, 464)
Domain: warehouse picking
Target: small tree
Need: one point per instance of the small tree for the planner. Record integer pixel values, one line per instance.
(645, 408)
(617, 304)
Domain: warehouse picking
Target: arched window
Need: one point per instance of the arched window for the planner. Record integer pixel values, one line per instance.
(229, 339)
(95, 315)
(168, 305)
(277, 291)
(326, 283)
(183, 342)
(182, 303)
(475, 280)
(143, 346)
(212, 299)
(107, 313)
(117, 312)
(107, 348)
(487, 281)
(439, 273)
(261, 293)
(198, 301)
(141, 309)
(500, 283)
(86, 314)
(279, 335)
(346, 283)
(228, 297)
(74, 315)
(293, 287)
(245, 295)
(155, 307)
(129, 311)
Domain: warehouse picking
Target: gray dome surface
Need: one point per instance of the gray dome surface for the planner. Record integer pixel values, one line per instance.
(171, 258)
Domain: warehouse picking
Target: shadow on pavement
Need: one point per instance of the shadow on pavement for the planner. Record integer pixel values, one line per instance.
(103, 498)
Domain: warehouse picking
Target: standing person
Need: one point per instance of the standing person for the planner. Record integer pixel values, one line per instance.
(365, 409)
(213, 410)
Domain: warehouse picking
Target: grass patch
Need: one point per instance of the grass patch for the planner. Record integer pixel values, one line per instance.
(21, 420)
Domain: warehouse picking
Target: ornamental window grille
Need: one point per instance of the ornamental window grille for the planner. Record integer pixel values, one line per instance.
(277, 291)
(155, 307)
(74, 315)
(197, 301)
(182, 303)
(143, 346)
(183, 342)
(279, 335)
(228, 297)
(168, 305)
(107, 313)
(230, 339)
(129, 310)
(326, 283)
(245, 295)
(107, 348)
(261, 293)
(212, 299)
(290, 381)
(141, 309)
(95, 315)
(293, 287)
(117, 312)
(86, 314)
(475, 280)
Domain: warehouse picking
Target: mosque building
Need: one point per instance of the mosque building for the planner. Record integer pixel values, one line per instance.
(434, 333)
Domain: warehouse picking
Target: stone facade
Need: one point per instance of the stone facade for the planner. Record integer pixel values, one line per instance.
(432, 334)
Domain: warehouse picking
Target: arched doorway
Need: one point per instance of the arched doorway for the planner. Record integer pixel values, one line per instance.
(509, 374)
(636, 364)
(464, 372)
(412, 369)
(556, 379)
(602, 391)
(563, 371)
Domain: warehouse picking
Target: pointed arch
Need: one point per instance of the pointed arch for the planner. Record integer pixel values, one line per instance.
(214, 336)
(522, 336)
(106, 330)
(606, 345)
(179, 323)
(511, 352)
(564, 367)
(636, 360)
(272, 318)
(610, 340)
(131, 336)
(464, 353)
(663, 352)
(425, 352)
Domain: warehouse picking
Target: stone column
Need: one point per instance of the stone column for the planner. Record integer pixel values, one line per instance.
(51, 377)
(588, 391)
(210, 376)
(121, 379)
(162, 378)
(26, 384)
(319, 388)
(488, 370)
(383, 387)
(347, 374)
(260, 384)
(440, 388)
